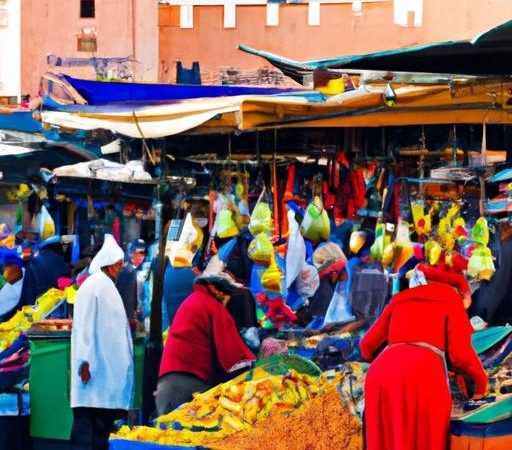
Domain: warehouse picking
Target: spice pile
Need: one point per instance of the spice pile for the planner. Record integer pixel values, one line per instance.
(323, 423)
(280, 412)
(227, 409)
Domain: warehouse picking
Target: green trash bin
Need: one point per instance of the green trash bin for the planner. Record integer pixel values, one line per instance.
(51, 414)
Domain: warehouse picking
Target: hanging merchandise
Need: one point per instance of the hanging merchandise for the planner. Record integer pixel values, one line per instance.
(316, 225)
(225, 225)
(432, 252)
(260, 250)
(46, 225)
(481, 264)
(184, 250)
(271, 279)
(296, 252)
(377, 249)
(405, 248)
(242, 196)
(261, 218)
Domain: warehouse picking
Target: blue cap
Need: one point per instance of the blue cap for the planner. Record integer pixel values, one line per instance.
(137, 244)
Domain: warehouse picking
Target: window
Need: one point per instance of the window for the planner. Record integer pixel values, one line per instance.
(86, 9)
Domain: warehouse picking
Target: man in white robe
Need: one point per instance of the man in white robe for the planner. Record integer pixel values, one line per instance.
(102, 373)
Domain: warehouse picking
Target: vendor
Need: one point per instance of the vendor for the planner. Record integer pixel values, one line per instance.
(407, 396)
(11, 291)
(203, 347)
(43, 270)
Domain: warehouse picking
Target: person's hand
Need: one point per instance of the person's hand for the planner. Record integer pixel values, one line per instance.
(479, 394)
(84, 373)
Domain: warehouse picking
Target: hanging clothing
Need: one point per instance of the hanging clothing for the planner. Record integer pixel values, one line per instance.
(10, 297)
(101, 336)
(407, 396)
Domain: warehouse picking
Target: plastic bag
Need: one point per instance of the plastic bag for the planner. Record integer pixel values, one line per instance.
(316, 225)
(183, 252)
(261, 219)
(260, 250)
(46, 225)
(432, 252)
(296, 253)
(339, 309)
(481, 265)
(271, 279)
(225, 225)
(308, 281)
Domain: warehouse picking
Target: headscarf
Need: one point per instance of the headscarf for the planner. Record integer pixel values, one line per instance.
(109, 254)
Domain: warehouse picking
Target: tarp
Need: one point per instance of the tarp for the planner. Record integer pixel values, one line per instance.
(483, 340)
(101, 92)
(489, 53)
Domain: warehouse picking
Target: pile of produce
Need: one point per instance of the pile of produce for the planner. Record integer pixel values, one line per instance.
(228, 408)
(323, 423)
(23, 319)
(291, 411)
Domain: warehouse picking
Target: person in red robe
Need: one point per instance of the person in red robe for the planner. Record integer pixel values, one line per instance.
(204, 346)
(407, 395)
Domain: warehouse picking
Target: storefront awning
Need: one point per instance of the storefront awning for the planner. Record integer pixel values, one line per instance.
(489, 53)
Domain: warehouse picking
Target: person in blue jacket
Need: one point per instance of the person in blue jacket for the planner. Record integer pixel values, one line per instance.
(43, 271)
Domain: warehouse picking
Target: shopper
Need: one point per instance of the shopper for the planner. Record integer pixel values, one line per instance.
(203, 347)
(101, 353)
(43, 270)
(407, 395)
(11, 290)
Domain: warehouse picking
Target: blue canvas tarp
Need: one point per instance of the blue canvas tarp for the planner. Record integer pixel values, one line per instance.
(101, 92)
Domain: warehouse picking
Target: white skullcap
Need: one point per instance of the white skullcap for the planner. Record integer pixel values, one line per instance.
(109, 254)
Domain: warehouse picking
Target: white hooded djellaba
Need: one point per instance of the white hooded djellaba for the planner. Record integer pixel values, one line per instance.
(101, 336)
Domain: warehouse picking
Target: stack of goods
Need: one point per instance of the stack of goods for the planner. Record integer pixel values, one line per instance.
(14, 349)
(226, 409)
(22, 320)
(294, 409)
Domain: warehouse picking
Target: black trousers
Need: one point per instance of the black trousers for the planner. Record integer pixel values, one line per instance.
(92, 427)
(176, 388)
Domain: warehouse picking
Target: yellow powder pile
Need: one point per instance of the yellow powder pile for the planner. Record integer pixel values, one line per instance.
(323, 423)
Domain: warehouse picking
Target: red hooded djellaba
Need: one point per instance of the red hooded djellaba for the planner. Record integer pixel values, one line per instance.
(407, 395)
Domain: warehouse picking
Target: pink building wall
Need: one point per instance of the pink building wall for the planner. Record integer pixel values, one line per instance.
(123, 28)
(341, 32)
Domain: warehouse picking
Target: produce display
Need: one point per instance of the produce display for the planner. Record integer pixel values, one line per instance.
(23, 319)
(264, 408)
(228, 408)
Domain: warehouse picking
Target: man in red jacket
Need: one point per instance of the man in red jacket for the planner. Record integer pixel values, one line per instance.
(204, 346)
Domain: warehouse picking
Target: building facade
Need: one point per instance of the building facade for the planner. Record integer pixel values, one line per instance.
(209, 31)
(108, 38)
(10, 51)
